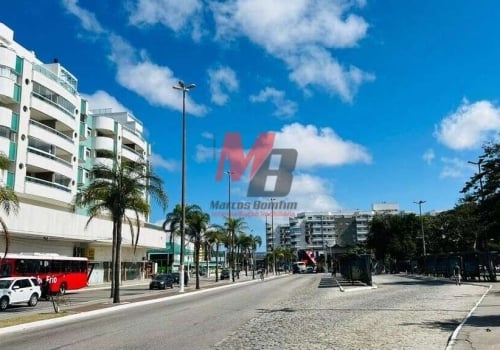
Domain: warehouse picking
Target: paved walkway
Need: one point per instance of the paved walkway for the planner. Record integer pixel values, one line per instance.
(481, 330)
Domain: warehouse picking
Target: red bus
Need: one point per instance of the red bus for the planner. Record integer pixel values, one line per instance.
(61, 273)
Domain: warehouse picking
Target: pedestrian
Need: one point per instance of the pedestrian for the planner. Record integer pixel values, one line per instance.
(186, 278)
(457, 274)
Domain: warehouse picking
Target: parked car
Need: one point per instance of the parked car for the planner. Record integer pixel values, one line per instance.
(18, 290)
(161, 281)
(175, 277)
(225, 274)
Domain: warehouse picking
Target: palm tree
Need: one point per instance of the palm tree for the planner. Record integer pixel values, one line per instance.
(234, 226)
(173, 220)
(216, 235)
(114, 191)
(242, 245)
(197, 222)
(172, 224)
(8, 201)
(254, 242)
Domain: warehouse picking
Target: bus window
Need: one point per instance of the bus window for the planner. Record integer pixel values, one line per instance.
(56, 266)
(20, 267)
(5, 270)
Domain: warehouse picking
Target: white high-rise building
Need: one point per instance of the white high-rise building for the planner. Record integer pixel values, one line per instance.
(53, 139)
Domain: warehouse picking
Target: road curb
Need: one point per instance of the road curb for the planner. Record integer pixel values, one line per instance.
(355, 289)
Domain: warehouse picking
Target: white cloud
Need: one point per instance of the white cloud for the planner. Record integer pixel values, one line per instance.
(102, 100)
(312, 193)
(319, 147)
(159, 162)
(469, 126)
(315, 147)
(88, 19)
(221, 81)
(302, 34)
(135, 71)
(284, 108)
(174, 14)
(429, 156)
(204, 153)
(147, 79)
(454, 168)
(208, 135)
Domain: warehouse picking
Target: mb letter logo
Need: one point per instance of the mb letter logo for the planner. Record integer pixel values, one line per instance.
(263, 157)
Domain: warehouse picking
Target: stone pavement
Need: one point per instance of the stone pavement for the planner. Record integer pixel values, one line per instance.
(481, 329)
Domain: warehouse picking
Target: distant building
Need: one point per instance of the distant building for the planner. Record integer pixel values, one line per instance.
(385, 208)
(319, 232)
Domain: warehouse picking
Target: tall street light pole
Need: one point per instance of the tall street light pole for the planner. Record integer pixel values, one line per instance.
(181, 86)
(231, 233)
(267, 246)
(421, 223)
(272, 235)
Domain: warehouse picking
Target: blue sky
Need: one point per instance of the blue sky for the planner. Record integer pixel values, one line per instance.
(383, 100)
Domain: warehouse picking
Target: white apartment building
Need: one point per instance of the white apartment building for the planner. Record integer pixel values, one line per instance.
(320, 231)
(53, 139)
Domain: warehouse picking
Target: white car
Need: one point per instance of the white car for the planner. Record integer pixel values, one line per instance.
(19, 290)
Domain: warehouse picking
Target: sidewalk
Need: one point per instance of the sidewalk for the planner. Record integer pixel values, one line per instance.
(481, 330)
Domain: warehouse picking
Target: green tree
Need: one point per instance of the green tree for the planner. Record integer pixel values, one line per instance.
(8, 201)
(234, 226)
(454, 230)
(394, 236)
(483, 188)
(216, 235)
(196, 222)
(115, 190)
(255, 242)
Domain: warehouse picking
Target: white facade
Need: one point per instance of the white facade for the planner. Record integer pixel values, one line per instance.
(320, 231)
(53, 139)
(385, 208)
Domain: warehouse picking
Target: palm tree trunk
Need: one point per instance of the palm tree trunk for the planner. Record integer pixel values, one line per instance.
(117, 268)
(113, 261)
(197, 263)
(217, 262)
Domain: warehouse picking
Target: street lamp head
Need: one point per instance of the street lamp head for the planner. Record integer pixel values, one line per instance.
(183, 86)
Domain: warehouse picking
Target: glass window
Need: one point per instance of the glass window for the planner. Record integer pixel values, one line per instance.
(5, 270)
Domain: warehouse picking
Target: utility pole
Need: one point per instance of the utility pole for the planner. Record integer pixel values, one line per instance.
(420, 202)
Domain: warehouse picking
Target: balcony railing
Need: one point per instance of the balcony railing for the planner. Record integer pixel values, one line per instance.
(58, 106)
(47, 183)
(51, 130)
(55, 78)
(48, 155)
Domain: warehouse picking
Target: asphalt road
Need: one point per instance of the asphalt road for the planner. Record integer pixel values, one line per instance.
(294, 312)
